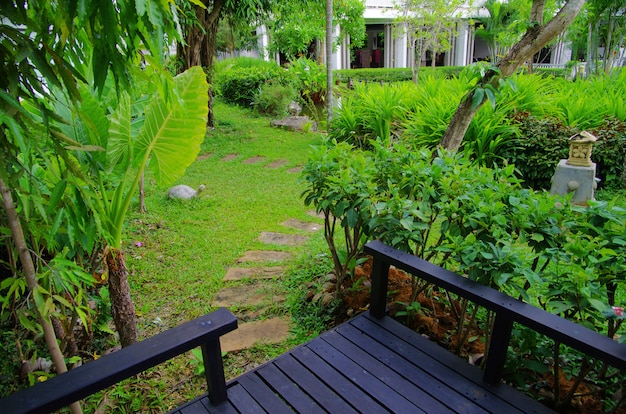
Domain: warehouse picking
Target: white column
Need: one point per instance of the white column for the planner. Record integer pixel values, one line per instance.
(401, 48)
(338, 52)
(561, 53)
(263, 42)
(389, 45)
(461, 45)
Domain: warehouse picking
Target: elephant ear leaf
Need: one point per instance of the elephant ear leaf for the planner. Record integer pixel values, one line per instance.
(173, 131)
(118, 148)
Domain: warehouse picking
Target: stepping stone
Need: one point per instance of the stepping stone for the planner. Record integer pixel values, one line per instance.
(229, 157)
(268, 331)
(238, 273)
(263, 256)
(254, 160)
(295, 123)
(295, 170)
(282, 239)
(248, 295)
(302, 225)
(204, 156)
(277, 164)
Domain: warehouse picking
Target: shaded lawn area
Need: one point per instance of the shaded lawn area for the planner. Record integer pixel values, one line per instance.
(179, 251)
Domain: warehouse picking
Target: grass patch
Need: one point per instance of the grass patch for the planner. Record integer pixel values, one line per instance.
(179, 251)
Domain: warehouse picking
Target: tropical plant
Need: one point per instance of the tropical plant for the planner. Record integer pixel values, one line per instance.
(44, 46)
(338, 180)
(502, 27)
(168, 139)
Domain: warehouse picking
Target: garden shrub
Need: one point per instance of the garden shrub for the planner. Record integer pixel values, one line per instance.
(273, 99)
(609, 153)
(480, 222)
(394, 74)
(543, 142)
(238, 80)
(310, 80)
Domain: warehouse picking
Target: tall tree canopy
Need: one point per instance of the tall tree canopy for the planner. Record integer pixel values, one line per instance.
(201, 23)
(429, 25)
(295, 25)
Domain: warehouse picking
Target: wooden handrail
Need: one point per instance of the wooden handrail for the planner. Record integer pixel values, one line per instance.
(507, 310)
(76, 384)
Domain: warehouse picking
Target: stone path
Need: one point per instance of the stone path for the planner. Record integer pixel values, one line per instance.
(250, 284)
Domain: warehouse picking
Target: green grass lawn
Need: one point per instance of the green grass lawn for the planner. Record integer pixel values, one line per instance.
(179, 251)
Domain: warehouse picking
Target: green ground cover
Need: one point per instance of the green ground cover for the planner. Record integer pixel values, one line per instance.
(179, 251)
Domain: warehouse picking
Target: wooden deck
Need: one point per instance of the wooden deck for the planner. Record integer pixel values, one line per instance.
(367, 365)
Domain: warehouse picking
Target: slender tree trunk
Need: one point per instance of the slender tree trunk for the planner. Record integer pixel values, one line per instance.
(122, 306)
(142, 195)
(536, 37)
(329, 61)
(200, 40)
(30, 274)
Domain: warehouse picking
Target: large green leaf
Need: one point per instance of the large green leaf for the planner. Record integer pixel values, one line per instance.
(118, 147)
(174, 130)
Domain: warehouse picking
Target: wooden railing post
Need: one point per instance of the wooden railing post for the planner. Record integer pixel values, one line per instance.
(378, 297)
(498, 346)
(214, 371)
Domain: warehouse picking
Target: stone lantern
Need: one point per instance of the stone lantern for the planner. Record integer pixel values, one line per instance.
(580, 149)
(577, 174)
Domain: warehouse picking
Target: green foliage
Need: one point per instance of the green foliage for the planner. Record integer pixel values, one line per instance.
(273, 100)
(371, 111)
(502, 27)
(294, 26)
(609, 153)
(310, 79)
(238, 80)
(543, 142)
(394, 74)
(338, 180)
(480, 222)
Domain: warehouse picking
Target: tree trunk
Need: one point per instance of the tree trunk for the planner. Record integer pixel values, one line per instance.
(459, 124)
(142, 195)
(122, 306)
(30, 274)
(329, 62)
(200, 41)
(536, 37)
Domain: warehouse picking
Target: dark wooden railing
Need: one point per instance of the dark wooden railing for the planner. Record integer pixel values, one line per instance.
(507, 310)
(108, 370)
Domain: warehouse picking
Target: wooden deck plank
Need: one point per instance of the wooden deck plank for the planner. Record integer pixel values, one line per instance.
(459, 366)
(285, 387)
(242, 401)
(372, 366)
(202, 405)
(264, 395)
(431, 374)
(368, 362)
(424, 380)
(324, 396)
(332, 376)
(386, 395)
